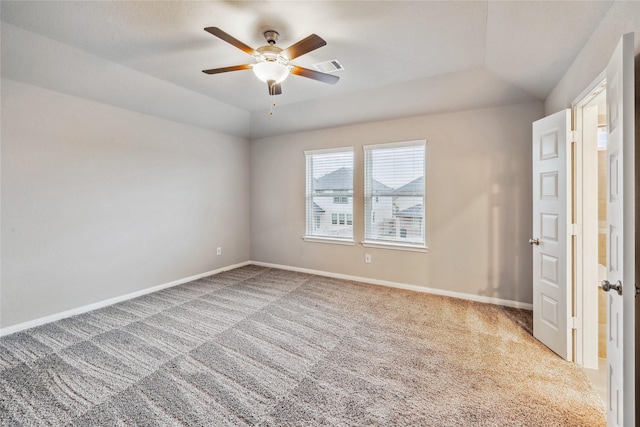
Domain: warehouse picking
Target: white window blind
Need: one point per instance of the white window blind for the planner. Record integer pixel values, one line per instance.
(329, 199)
(395, 193)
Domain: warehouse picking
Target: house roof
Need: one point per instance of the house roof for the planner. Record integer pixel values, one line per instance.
(378, 186)
(415, 211)
(317, 208)
(338, 180)
(342, 180)
(415, 186)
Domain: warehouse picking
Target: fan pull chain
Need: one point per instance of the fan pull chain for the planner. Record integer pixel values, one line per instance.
(273, 102)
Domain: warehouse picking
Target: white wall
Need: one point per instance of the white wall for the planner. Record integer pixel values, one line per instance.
(622, 18)
(478, 202)
(98, 202)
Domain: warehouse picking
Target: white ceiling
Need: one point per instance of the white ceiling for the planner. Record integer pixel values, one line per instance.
(401, 58)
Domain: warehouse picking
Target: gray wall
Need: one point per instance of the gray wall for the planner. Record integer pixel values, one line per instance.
(98, 202)
(478, 202)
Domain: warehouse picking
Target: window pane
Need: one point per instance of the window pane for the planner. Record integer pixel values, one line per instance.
(330, 193)
(340, 199)
(394, 193)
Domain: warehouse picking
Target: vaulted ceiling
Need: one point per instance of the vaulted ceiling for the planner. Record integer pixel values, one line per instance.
(400, 58)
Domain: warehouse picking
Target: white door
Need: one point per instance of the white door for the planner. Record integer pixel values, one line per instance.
(620, 281)
(550, 240)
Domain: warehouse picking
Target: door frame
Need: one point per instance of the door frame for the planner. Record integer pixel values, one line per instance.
(584, 215)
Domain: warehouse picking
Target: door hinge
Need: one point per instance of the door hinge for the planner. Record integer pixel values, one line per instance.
(574, 229)
(576, 136)
(576, 323)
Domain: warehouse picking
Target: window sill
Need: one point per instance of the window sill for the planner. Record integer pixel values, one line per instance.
(394, 246)
(330, 240)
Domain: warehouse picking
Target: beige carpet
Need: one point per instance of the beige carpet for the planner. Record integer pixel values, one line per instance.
(258, 346)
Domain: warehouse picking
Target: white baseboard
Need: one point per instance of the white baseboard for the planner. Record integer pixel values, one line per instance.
(79, 310)
(460, 295)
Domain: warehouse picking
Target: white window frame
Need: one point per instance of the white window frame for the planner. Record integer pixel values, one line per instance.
(309, 235)
(369, 200)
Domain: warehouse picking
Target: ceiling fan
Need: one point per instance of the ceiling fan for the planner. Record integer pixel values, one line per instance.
(273, 64)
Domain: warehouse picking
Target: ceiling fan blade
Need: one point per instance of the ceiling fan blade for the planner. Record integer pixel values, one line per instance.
(227, 69)
(315, 75)
(274, 89)
(230, 39)
(306, 45)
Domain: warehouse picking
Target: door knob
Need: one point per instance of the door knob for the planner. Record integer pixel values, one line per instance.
(607, 286)
(535, 241)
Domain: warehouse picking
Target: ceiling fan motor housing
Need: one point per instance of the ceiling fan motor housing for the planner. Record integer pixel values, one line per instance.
(271, 36)
(269, 52)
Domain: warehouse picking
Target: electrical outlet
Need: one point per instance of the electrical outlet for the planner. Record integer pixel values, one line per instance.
(219, 251)
(367, 258)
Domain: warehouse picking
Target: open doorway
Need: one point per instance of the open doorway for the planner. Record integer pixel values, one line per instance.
(565, 216)
(590, 246)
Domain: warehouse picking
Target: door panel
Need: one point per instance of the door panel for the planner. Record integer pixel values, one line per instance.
(551, 210)
(620, 236)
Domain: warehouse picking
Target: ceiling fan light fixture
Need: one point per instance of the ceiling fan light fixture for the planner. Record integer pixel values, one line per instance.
(273, 64)
(271, 71)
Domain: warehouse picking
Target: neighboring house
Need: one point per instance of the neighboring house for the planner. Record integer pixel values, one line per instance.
(409, 195)
(334, 213)
(381, 209)
(408, 222)
(381, 214)
(408, 204)
(399, 215)
(317, 216)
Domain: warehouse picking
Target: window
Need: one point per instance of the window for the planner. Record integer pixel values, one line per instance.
(395, 194)
(340, 200)
(330, 194)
